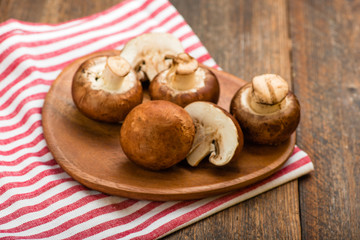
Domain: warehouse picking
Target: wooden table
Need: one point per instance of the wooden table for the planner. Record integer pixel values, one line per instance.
(315, 45)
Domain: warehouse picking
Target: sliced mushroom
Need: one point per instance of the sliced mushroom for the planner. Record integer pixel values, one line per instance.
(185, 82)
(151, 53)
(217, 133)
(106, 88)
(157, 134)
(267, 111)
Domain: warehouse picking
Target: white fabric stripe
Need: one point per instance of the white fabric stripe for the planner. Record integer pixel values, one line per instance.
(51, 208)
(27, 139)
(64, 31)
(19, 167)
(132, 224)
(16, 25)
(305, 169)
(34, 75)
(14, 156)
(210, 63)
(294, 158)
(93, 222)
(76, 52)
(68, 42)
(172, 215)
(78, 212)
(27, 176)
(28, 189)
(20, 115)
(36, 89)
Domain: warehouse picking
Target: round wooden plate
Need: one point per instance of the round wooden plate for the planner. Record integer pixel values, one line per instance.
(90, 152)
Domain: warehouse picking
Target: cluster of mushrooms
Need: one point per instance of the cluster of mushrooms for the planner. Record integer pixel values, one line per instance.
(182, 120)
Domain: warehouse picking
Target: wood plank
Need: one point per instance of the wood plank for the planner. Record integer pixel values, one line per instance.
(326, 56)
(246, 38)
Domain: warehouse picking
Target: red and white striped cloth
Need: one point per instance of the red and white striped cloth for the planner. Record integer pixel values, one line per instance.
(37, 198)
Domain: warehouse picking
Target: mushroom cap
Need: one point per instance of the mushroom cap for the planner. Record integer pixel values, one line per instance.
(157, 134)
(101, 104)
(207, 88)
(272, 128)
(217, 133)
(151, 49)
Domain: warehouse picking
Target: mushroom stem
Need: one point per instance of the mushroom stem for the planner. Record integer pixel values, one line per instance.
(182, 74)
(116, 69)
(268, 93)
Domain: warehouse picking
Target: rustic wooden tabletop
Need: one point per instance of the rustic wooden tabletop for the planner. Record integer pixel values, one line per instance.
(315, 45)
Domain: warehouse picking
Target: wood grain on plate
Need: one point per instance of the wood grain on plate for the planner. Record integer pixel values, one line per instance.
(90, 152)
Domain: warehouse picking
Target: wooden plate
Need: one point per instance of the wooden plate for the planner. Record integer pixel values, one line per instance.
(90, 152)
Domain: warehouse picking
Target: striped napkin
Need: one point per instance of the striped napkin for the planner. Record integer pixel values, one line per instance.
(37, 198)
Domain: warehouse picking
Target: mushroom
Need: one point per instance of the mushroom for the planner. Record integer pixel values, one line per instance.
(267, 111)
(106, 88)
(185, 82)
(151, 53)
(157, 134)
(217, 133)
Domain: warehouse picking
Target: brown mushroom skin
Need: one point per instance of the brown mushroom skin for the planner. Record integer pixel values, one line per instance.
(102, 105)
(262, 129)
(157, 134)
(210, 92)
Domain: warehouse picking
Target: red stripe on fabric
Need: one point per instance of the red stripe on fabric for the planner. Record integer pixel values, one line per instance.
(116, 222)
(193, 47)
(29, 70)
(27, 169)
(23, 146)
(26, 117)
(42, 205)
(31, 181)
(36, 96)
(152, 219)
(187, 35)
(32, 128)
(16, 197)
(79, 219)
(54, 26)
(55, 214)
(15, 62)
(19, 160)
(10, 99)
(296, 150)
(176, 27)
(204, 58)
(213, 204)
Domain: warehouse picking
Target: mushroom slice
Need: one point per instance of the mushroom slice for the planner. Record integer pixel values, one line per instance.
(151, 53)
(217, 133)
(266, 110)
(185, 82)
(106, 88)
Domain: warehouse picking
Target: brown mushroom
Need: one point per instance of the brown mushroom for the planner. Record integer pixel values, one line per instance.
(151, 53)
(157, 134)
(267, 111)
(217, 133)
(106, 88)
(185, 82)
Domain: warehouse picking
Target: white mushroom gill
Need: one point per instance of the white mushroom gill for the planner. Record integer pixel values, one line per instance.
(148, 52)
(216, 134)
